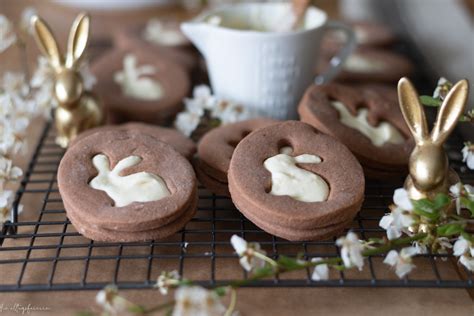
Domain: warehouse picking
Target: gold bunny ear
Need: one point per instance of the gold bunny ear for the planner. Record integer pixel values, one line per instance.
(46, 41)
(448, 116)
(412, 110)
(78, 38)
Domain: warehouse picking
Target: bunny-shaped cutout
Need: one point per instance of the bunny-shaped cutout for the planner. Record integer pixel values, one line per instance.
(124, 190)
(429, 167)
(299, 184)
(78, 110)
(134, 81)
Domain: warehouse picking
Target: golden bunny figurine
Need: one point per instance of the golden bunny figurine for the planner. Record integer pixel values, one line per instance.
(78, 109)
(429, 167)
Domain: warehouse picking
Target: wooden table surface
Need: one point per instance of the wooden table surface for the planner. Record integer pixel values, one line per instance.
(283, 301)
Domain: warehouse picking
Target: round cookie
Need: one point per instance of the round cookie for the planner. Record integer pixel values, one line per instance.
(215, 151)
(181, 143)
(250, 183)
(369, 65)
(375, 65)
(372, 34)
(88, 230)
(121, 107)
(316, 109)
(133, 39)
(76, 171)
(214, 185)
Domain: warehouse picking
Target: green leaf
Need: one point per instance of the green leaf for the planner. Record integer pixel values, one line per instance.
(469, 204)
(221, 291)
(430, 101)
(449, 229)
(85, 314)
(441, 201)
(426, 208)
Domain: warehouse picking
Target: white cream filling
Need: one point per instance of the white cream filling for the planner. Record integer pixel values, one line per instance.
(299, 184)
(124, 190)
(133, 83)
(159, 33)
(378, 135)
(361, 64)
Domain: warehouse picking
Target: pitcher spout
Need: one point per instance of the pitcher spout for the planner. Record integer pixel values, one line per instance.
(197, 33)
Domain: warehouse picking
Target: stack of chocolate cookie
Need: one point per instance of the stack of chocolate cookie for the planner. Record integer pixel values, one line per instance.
(122, 184)
(171, 78)
(295, 182)
(368, 123)
(215, 151)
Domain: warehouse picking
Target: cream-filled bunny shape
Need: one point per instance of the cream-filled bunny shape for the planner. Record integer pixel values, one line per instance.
(299, 184)
(134, 82)
(124, 190)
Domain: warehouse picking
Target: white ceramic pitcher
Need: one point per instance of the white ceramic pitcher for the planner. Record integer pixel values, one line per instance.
(252, 64)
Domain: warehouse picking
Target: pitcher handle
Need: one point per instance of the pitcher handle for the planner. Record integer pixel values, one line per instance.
(337, 61)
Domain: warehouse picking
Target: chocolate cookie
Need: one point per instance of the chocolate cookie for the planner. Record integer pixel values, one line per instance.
(181, 143)
(370, 65)
(170, 80)
(295, 182)
(372, 34)
(134, 39)
(126, 185)
(370, 125)
(215, 151)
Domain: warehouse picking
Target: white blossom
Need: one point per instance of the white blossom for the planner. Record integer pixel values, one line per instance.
(246, 251)
(441, 82)
(187, 122)
(165, 280)
(468, 155)
(464, 249)
(320, 272)
(228, 112)
(8, 172)
(197, 301)
(351, 250)
(396, 222)
(420, 247)
(458, 191)
(111, 302)
(402, 262)
(7, 33)
(6, 201)
(402, 200)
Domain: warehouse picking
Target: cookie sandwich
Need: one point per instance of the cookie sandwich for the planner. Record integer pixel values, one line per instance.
(295, 182)
(124, 186)
(215, 152)
(369, 124)
(140, 86)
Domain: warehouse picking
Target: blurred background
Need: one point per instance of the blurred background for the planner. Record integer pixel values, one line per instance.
(441, 31)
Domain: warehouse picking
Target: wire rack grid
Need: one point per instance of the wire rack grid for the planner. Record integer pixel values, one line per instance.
(40, 250)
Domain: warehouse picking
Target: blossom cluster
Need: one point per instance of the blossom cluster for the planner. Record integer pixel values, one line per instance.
(204, 106)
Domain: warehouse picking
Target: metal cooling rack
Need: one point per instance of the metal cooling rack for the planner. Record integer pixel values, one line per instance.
(46, 253)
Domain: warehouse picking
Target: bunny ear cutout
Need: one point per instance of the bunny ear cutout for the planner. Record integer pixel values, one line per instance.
(448, 115)
(126, 163)
(412, 110)
(46, 41)
(78, 38)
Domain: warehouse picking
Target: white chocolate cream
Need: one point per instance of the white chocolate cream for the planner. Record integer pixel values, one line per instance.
(133, 83)
(288, 179)
(378, 135)
(124, 190)
(361, 64)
